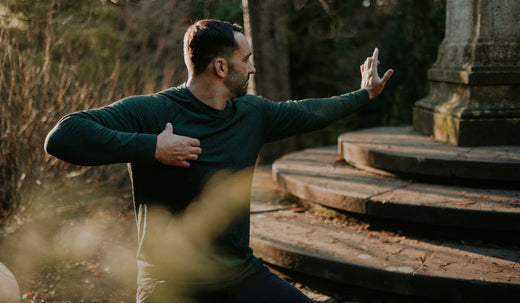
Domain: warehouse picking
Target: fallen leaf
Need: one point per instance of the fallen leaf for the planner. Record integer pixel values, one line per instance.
(466, 203)
(298, 209)
(339, 160)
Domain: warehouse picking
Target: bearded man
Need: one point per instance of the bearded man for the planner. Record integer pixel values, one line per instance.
(174, 140)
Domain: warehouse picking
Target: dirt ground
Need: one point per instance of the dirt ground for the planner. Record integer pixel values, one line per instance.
(73, 243)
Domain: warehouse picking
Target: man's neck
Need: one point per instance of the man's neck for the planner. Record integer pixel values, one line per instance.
(209, 92)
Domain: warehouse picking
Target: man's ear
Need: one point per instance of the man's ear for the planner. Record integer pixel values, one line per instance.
(220, 66)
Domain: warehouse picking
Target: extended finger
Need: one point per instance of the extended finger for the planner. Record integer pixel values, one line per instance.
(190, 141)
(375, 54)
(194, 142)
(371, 63)
(184, 164)
(196, 150)
(191, 157)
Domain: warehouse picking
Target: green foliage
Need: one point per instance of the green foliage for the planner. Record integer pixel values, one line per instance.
(229, 10)
(323, 40)
(330, 39)
(411, 47)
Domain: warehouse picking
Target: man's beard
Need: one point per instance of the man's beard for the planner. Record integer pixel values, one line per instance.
(235, 84)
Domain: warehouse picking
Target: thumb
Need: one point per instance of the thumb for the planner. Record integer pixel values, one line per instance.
(387, 75)
(169, 128)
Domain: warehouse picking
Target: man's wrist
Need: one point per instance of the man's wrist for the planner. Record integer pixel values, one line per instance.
(146, 148)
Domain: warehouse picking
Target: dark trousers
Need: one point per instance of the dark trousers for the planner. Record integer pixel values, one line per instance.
(261, 287)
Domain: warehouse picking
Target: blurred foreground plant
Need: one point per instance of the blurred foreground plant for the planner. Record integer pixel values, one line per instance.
(81, 241)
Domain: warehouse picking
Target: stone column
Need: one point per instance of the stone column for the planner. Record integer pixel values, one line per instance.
(474, 97)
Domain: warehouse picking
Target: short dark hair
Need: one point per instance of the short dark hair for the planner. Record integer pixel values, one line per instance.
(207, 39)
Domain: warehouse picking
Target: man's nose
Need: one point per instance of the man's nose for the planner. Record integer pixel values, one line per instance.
(252, 70)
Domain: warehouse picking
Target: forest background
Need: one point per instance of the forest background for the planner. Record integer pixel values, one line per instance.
(60, 56)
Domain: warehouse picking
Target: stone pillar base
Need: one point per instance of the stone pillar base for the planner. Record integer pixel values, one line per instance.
(469, 115)
(474, 97)
(458, 131)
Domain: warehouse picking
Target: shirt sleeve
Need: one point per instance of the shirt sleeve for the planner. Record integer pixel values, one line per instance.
(284, 119)
(111, 134)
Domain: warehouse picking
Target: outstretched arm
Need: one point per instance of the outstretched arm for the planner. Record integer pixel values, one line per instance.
(86, 138)
(285, 119)
(128, 131)
(370, 79)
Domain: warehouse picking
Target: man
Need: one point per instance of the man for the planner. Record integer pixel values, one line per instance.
(176, 139)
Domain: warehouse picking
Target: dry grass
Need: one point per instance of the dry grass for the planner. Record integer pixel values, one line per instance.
(72, 56)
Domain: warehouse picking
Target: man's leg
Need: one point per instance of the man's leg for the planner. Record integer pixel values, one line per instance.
(262, 287)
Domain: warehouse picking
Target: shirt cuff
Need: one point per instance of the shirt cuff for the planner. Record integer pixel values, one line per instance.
(362, 95)
(145, 149)
(356, 99)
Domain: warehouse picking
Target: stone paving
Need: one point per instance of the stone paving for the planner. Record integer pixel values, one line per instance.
(354, 254)
(399, 149)
(316, 175)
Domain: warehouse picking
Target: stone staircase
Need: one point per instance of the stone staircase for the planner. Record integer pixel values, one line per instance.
(395, 216)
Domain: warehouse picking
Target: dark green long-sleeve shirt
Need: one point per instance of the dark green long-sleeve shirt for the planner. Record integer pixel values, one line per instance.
(126, 132)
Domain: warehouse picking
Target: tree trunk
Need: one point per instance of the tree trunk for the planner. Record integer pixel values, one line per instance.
(265, 27)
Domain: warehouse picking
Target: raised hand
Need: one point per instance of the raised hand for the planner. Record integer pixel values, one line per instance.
(370, 79)
(176, 150)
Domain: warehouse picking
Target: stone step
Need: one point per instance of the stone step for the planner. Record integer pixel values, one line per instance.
(386, 262)
(351, 255)
(399, 150)
(316, 175)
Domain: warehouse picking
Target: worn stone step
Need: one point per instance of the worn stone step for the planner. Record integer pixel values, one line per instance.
(316, 175)
(358, 257)
(399, 150)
